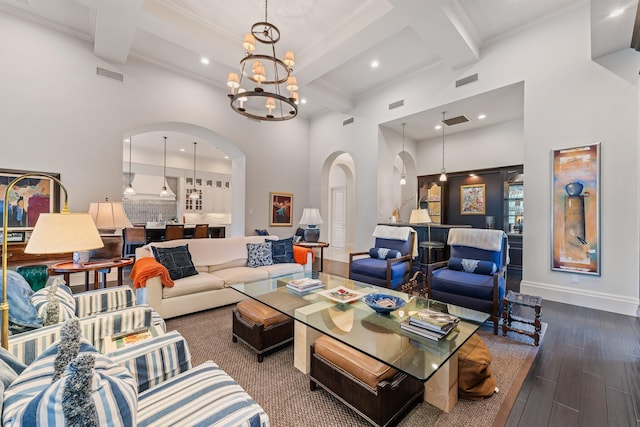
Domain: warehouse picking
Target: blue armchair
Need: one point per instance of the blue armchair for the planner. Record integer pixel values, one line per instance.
(388, 263)
(475, 275)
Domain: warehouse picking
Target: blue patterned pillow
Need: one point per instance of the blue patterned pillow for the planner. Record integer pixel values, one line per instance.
(282, 251)
(177, 260)
(259, 254)
(472, 266)
(384, 253)
(262, 232)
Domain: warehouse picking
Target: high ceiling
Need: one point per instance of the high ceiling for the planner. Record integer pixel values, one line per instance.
(335, 41)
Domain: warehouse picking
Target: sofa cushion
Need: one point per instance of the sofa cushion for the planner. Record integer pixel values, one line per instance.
(282, 251)
(277, 270)
(231, 276)
(231, 264)
(194, 284)
(259, 254)
(177, 260)
(55, 302)
(356, 363)
(472, 266)
(103, 300)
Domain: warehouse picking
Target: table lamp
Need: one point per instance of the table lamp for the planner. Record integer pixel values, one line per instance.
(109, 215)
(53, 233)
(311, 217)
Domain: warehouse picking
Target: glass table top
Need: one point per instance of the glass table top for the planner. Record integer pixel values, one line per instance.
(359, 326)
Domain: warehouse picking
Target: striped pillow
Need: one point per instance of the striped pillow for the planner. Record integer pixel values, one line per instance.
(54, 303)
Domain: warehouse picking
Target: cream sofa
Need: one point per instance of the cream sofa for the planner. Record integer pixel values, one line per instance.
(220, 263)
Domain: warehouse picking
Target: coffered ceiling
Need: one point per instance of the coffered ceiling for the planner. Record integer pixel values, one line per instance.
(335, 41)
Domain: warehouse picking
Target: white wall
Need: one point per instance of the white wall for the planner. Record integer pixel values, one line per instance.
(569, 101)
(58, 116)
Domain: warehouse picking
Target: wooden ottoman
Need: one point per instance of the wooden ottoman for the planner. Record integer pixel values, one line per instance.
(374, 390)
(260, 327)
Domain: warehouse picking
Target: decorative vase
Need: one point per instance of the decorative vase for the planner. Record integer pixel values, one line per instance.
(574, 188)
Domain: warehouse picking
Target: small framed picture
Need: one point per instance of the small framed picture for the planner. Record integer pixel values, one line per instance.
(281, 208)
(14, 236)
(472, 199)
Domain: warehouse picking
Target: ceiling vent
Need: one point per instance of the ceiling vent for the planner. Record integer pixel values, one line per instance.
(396, 104)
(466, 80)
(455, 120)
(109, 74)
(347, 121)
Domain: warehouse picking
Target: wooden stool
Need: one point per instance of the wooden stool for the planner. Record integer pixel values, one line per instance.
(260, 327)
(534, 302)
(374, 390)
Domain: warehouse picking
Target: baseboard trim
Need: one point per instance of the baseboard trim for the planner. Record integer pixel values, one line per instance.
(584, 298)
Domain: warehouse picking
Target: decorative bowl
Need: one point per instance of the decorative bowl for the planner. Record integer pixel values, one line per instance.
(383, 303)
(574, 188)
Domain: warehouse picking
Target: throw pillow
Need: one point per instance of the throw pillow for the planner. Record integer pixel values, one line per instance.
(177, 260)
(259, 254)
(384, 253)
(55, 302)
(472, 266)
(262, 232)
(282, 251)
(22, 315)
(10, 368)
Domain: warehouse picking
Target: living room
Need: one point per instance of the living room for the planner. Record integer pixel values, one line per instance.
(58, 116)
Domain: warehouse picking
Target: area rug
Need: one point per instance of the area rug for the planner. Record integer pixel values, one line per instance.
(284, 392)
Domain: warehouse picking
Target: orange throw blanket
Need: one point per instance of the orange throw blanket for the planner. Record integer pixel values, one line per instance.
(146, 268)
(300, 254)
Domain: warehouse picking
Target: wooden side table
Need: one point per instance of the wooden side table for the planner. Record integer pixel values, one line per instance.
(103, 266)
(313, 245)
(515, 298)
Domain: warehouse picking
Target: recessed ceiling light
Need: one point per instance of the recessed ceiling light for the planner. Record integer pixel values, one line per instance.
(126, 140)
(616, 12)
(472, 175)
(303, 101)
(226, 157)
(482, 116)
(374, 64)
(204, 60)
(182, 149)
(438, 127)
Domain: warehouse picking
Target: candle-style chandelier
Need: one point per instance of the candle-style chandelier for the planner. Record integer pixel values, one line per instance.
(267, 100)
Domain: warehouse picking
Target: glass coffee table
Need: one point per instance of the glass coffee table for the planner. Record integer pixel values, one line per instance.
(377, 335)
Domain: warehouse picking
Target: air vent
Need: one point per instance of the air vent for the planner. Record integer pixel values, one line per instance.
(347, 121)
(466, 80)
(455, 120)
(396, 104)
(109, 74)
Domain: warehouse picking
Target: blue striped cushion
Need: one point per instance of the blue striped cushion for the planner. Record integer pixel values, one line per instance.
(33, 400)
(102, 300)
(203, 396)
(154, 361)
(58, 293)
(120, 321)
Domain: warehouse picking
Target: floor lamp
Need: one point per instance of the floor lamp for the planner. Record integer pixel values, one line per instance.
(53, 233)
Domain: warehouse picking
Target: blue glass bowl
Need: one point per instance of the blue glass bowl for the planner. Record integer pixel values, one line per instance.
(383, 303)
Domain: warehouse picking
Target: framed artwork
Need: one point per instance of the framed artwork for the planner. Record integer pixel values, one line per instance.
(14, 236)
(575, 210)
(281, 208)
(28, 198)
(472, 199)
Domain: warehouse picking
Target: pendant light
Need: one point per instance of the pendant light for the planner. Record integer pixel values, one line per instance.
(194, 193)
(443, 171)
(129, 191)
(164, 192)
(403, 181)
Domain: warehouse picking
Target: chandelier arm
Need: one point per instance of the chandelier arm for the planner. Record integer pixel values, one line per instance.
(292, 113)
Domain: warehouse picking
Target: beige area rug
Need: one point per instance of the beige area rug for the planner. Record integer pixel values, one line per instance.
(284, 393)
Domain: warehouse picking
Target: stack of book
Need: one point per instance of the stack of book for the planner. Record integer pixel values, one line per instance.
(304, 285)
(430, 324)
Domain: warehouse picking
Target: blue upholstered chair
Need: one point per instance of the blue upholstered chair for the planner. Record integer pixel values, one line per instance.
(388, 263)
(475, 275)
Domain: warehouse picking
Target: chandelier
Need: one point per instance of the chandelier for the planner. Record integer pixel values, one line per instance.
(268, 99)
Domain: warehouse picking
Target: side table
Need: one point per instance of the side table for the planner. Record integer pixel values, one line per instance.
(515, 298)
(104, 267)
(314, 245)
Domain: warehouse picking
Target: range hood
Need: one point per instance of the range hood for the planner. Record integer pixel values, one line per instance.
(148, 188)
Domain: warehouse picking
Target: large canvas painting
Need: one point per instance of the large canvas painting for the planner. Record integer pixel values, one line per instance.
(281, 209)
(576, 210)
(28, 198)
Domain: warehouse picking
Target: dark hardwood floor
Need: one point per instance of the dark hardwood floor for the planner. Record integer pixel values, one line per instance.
(586, 373)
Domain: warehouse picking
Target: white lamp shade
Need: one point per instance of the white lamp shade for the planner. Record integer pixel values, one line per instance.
(108, 215)
(420, 216)
(311, 216)
(63, 232)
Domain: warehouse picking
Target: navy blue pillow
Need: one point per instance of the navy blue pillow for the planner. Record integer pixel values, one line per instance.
(177, 260)
(262, 232)
(472, 266)
(282, 251)
(384, 253)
